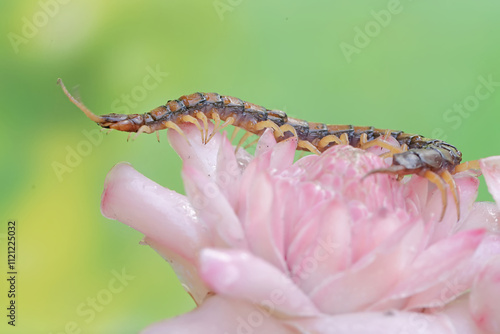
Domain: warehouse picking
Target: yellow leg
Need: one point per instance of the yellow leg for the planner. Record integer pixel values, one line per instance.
(467, 165)
(235, 132)
(308, 146)
(363, 139)
(215, 116)
(344, 139)
(218, 127)
(143, 129)
(191, 119)
(327, 140)
(453, 186)
(287, 127)
(204, 119)
(379, 142)
(251, 143)
(129, 135)
(438, 181)
(242, 140)
(158, 136)
(172, 125)
(269, 124)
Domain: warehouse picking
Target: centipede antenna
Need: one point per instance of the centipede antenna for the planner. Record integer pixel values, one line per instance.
(445, 174)
(90, 114)
(393, 170)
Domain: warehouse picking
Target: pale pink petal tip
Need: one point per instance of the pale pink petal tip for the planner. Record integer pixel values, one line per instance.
(157, 212)
(491, 171)
(219, 315)
(243, 276)
(485, 298)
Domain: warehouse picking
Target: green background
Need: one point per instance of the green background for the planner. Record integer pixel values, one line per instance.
(281, 54)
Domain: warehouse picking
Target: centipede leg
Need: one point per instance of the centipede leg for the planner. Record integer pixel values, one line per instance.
(438, 181)
(379, 142)
(467, 165)
(143, 129)
(363, 139)
(308, 146)
(344, 139)
(204, 119)
(235, 132)
(269, 124)
(191, 119)
(253, 142)
(327, 140)
(172, 125)
(286, 127)
(446, 175)
(218, 127)
(242, 140)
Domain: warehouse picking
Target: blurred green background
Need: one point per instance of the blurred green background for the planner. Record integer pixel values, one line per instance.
(393, 64)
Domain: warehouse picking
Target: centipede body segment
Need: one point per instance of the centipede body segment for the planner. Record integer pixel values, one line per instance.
(431, 158)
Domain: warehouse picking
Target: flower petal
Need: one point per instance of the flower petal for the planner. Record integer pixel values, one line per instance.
(491, 170)
(381, 268)
(223, 226)
(485, 297)
(259, 217)
(195, 153)
(483, 215)
(241, 275)
(186, 271)
(459, 316)
(391, 322)
(221, 315)
(322, 247)
(435, 266)
(161, 214)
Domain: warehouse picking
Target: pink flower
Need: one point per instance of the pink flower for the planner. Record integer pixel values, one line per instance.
(266, 245)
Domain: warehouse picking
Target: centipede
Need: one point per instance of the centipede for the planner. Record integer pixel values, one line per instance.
(433, 159)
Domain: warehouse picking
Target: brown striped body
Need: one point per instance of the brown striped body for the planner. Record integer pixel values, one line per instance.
(423, 153)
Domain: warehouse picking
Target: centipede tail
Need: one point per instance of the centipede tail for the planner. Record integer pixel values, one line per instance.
(431, 158)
